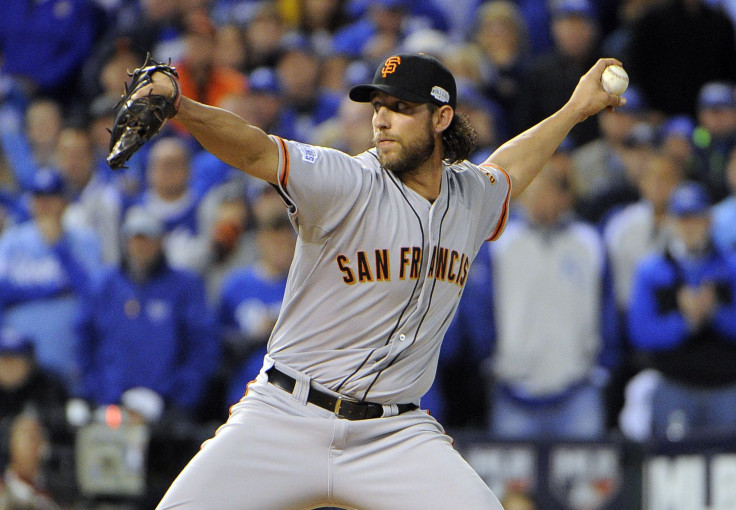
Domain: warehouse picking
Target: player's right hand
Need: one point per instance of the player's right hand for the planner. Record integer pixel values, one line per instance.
(589, 97)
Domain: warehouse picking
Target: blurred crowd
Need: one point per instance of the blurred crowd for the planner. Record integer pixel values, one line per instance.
(606, 309)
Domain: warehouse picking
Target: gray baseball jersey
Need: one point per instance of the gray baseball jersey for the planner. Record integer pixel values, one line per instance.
(376, 278)
(378, 270)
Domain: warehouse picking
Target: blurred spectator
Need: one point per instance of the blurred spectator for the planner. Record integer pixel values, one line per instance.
(465, 61)
(636, 230)
(251, 297)
(682, 321)
(377, 33)
(201, 79)
(44, 44)
(265, 106)
(298, 71)
(334, 67)
(170, 200)
(230, 48)
(11, 211)
(553, 76)
(631, 233)
(425, 40)
(599, 164)
(676, 141)
(227, 214)
(502, 35)
(33, 145)
(106, 70)
(319, 20)
(459, 15)
(423, 13)
(147, 329)
(46, 268)
(676, 35)
(263, 35)
(24, 386)
(724, 212)
(240, 12)
(349, 131)
(636, 149)
(153, 26)
(94, 204)
(538, 15)
(617, 42)
(486, 118)
(715, 135)
(546, 311)
(23, 484)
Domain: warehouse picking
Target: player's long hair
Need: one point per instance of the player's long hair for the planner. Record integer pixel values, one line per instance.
(458, 140)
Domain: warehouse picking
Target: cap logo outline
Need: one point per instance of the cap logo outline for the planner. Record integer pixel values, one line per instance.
(390, 65)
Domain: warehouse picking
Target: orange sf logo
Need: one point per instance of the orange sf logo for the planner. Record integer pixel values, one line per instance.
(390, 65)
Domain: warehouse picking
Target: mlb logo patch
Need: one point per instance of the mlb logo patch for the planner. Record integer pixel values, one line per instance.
(308, 153)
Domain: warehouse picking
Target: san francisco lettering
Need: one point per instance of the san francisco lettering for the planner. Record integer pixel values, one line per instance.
(445, 264)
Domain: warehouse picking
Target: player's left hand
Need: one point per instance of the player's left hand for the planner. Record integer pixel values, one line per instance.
(152, 98)
(589, 97)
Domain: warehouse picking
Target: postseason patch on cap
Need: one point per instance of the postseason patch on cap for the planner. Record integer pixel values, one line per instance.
(440, 94)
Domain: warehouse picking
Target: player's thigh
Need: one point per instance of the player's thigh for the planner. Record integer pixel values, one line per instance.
(413, 467)
(258, 460)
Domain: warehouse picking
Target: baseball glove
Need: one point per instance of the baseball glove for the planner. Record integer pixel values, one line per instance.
(139, 119)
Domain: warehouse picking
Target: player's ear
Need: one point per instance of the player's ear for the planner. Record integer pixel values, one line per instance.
(443, 117)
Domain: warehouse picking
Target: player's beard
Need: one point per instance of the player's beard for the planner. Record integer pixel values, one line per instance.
(409, 157)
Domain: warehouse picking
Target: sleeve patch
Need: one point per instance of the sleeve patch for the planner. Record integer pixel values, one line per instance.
(309, 155)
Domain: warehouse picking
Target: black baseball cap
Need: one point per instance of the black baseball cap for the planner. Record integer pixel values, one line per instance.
(412, 77)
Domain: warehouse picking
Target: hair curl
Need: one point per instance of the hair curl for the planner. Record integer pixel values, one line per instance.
(458, 140)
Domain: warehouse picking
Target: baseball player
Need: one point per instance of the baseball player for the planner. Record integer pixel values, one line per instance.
(385, 242)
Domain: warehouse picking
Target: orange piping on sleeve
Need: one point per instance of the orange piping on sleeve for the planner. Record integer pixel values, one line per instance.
(284, 170)
(505, 212)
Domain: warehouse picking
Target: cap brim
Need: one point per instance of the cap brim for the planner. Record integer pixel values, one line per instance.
(362, 93)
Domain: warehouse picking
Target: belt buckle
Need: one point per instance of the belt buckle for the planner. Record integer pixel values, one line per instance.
(338, 405)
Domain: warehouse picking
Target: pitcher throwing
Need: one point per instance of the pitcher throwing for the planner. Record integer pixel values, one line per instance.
(385, 242)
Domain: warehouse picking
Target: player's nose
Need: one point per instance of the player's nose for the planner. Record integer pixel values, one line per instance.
(381, 118)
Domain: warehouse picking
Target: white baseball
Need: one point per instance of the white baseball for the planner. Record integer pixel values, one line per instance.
(614, 80)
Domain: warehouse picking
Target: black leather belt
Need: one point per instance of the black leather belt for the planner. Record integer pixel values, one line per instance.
(341, 406)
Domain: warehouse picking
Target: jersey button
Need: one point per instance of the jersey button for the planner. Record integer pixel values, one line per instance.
(402, 337)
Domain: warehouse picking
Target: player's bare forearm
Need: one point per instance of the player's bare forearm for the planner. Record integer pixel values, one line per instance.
(231, 139)
(524, 155)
